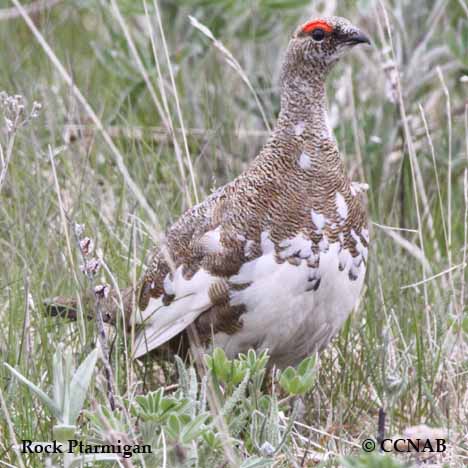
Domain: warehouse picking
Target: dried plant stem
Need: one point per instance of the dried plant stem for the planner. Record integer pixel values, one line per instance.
(32, 9)
(102, 338)
(121, 307)
(433, 277)
(465, 223)
(159, 134)
(24, 344)
(464, 6)
(449, 174)
(134, 306)
(411, 248)
(113, 439)
(11, 429)
(436, 174)
(63, 219)
(393, 228)
(105, 355)
(163, 438)
(6, 158)
(354, 120)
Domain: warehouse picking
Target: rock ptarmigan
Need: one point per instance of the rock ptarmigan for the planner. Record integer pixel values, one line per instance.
(276, 258)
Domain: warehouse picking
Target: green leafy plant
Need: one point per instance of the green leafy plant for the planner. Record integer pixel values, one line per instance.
(224, 370)
(300, 380)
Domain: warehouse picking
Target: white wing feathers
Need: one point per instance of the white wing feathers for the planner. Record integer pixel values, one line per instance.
(161, 323)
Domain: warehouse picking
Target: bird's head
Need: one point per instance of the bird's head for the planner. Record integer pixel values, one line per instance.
(318, 44)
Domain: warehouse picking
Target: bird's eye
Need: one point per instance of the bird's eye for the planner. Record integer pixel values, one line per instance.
(318, 34)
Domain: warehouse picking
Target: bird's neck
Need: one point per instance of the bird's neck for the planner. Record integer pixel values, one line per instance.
(303, 130)
(304, 108)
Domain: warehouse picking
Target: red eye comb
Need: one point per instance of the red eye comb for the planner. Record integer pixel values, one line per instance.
(317, 24)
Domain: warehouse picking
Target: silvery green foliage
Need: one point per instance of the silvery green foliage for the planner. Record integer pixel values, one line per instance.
(69, 390)
(184, 432)
(179, 426)
(69, 385)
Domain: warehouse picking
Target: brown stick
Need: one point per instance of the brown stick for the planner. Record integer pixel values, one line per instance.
(105, 355)
(32, 9)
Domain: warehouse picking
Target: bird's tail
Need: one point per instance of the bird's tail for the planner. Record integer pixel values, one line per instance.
(113, 305)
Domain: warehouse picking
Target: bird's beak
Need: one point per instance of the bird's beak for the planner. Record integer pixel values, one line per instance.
(355, 37)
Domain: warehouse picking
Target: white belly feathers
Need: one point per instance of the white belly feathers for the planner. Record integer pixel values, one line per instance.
(291, 309)
(280, 310)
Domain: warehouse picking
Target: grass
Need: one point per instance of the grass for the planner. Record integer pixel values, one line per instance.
(161, 136)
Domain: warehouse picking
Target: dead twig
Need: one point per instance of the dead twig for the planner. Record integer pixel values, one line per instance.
(31, 9)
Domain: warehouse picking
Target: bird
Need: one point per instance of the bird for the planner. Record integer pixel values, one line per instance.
(274, 260)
